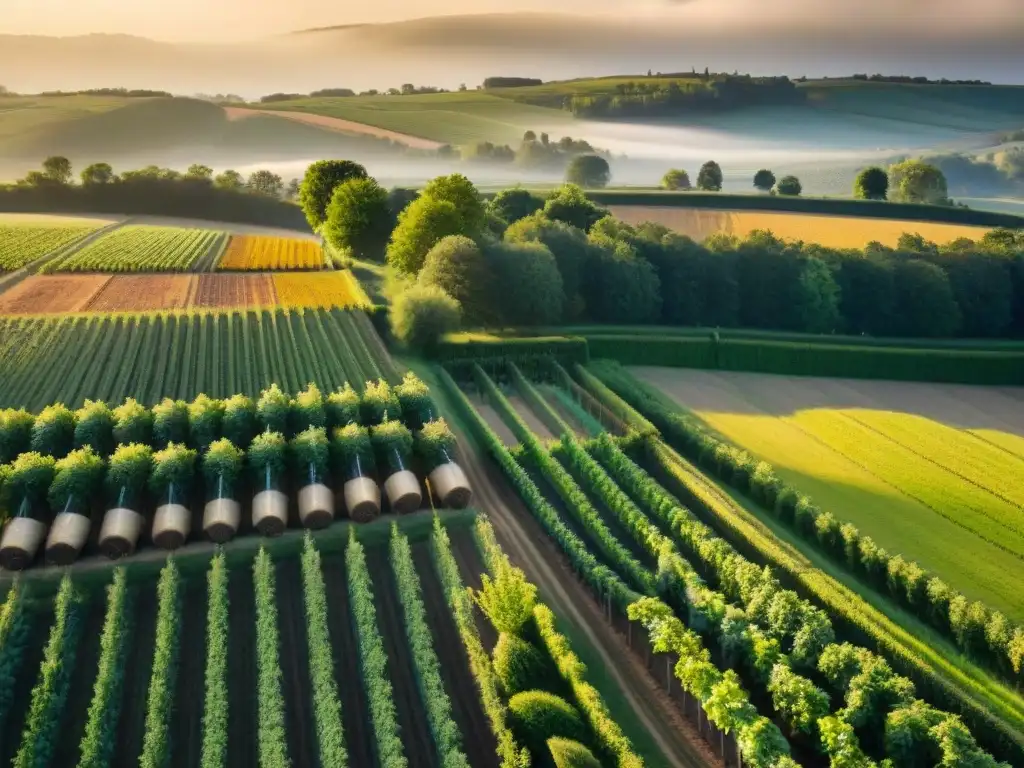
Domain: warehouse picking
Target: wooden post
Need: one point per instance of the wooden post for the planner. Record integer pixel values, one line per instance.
(668, 674)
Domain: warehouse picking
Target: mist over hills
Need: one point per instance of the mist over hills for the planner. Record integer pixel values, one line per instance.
(449, 50)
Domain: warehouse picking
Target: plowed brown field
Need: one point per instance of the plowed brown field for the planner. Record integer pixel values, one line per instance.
(139, 293)
(51, 293)
(236, 291)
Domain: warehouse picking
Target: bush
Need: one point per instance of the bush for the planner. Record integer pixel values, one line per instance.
(789, 186)
(519, 665)
(569, 204)
(359, 219)
(511, 205)
(571, 754)
(421, 315)
(871, 184)
(421, 226)
(539, 715)
(529, 284)
(675, 180)
(456, 266)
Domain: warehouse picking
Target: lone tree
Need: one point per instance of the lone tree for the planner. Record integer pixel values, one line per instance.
(359, 220)
(764, 180)
(588, 171)
(676, 179)
(57, 169)
(871, 184)
(789, 186)
(321, 178)
(710, 177)
(914, 181)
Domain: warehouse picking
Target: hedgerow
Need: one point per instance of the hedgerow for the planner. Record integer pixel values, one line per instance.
(13, 640)
(156, 745)
(216, 707)
(271, 742)
(539, 715)
(443, 728)
(326, 704)
(373, 659)
(518, 664)
(100, 739)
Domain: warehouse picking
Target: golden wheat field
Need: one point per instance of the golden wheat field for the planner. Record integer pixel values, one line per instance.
(323, 289)
(830, 231)
(256, 252)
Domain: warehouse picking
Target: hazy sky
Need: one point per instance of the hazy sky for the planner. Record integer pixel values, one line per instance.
(209, 20)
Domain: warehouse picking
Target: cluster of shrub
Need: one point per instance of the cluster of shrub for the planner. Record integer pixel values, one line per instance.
(261, 198)
(909, 79)
(134, 93)
(407, 89)
(534, 151)
(1000, 172)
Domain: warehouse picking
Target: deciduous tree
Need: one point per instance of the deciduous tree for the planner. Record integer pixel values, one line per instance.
(709, 179)
(319, 183)
(764, 180)
(359, 220)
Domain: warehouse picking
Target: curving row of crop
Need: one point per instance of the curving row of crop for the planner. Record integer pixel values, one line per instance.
(216, 704)
(461, 607)
(13, 640)
(601, 578)
(99, 741)
(271, 742)
(373, 659)
(156, 745)
(326, 704)
(972, 627)
(447, 739)
(136, 248)
(40, 735)
(575, 500)
(774, 630)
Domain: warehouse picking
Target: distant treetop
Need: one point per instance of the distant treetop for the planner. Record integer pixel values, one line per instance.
(511, 82)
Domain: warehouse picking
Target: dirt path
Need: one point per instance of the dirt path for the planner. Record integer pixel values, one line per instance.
(528, 546)
(335, 124)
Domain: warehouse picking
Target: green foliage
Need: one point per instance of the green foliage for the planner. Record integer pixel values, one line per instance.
(95, 427)
(531, 284)
(79, 476)
(571, 754)
(216, 705)
(507, 599)
(414, 397)
(925, 298)
(676, 180)
(570, 248)
(317, 188)
(461, 606)
(421, 226)
(797, 699)
(273, 410)
(28, 479)
(456, 266)
(14, 639)
(307, 409)
(871, 184)
(326, 704)
(393, 442)
(271, 740)
(570, 205)
(133, 423)
(310, 453)
(914, 181)
(128, 469)
(789, 186)
(380, 403)
(99, 741)
(170, 422)
(709, 179)
(15, 433)
(588, 171)
(341, 407)
(156, 744)
(817, 298)
(53, 432)
(173, 470)
(239, 421)
(359, 219)
(512, 205)
(267, 454)
(223, 462)
(435, 442)
(460, 192)
(373, 659)
(538, 715)
(519, 665)
(42, 720)
(351, 446)
(205, 416)
(624, 288)
(764, 180)
(427, 668)
(421, 315)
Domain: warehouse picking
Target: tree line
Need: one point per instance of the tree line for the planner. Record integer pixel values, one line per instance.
(520, 260)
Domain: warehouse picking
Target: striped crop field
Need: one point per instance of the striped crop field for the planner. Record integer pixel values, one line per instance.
(927, 470)
(329, 289)
(52, 293)
(141, 293)
(830, 231)
(258, 252)
(137, 248)
(247, 291)
(151, 356)
(22, 244)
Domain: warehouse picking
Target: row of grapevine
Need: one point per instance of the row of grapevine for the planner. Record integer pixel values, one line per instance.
(13, 638)
(152, 356)
(215, 706)
(156, 746)
(273, 747)
(20, 245)
(428, 672)
(135, 248)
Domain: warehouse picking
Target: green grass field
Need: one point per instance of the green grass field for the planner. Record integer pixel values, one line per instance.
(935, 492)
